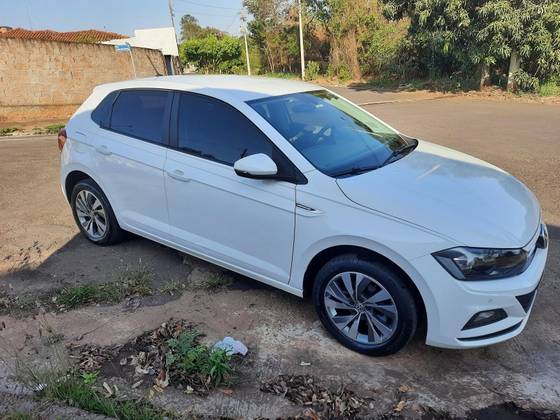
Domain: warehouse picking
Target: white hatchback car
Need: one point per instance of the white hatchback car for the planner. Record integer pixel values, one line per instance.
(294, 186)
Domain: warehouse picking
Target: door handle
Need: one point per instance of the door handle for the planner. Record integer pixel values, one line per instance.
(104, 150)
(178, 175)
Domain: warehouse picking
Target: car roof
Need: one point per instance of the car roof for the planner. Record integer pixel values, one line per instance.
(227, 87)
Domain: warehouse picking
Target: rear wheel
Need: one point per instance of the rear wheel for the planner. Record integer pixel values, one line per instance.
(365, 305)
(93, 214)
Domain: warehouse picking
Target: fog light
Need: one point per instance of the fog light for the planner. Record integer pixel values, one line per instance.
(483, 318)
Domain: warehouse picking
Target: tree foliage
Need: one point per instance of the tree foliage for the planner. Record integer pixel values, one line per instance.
(212, 54)
(190, 29)
(448, 36)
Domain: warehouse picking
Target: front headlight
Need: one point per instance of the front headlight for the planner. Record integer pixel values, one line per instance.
(465, 263)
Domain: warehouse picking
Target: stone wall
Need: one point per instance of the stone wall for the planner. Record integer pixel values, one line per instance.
(43, 81)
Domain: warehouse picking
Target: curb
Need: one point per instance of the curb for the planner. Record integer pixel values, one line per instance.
(398, 101)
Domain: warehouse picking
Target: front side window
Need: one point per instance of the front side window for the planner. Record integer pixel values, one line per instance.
(338, 138)
(140, 113)
(214, 130)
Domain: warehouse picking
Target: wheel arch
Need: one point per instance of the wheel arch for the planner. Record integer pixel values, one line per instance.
(329, 253)
(72, 179)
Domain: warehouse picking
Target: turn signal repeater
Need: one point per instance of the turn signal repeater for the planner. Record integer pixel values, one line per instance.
(61, 138)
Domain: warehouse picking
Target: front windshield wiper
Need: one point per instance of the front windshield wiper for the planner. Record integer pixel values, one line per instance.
(407, 148)
(356, 170)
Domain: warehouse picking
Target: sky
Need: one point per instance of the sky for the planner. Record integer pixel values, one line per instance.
(121, 16)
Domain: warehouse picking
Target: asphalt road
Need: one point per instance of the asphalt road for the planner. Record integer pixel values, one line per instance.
(39, 249)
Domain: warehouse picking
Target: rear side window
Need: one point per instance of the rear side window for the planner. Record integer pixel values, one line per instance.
(140, 113)
(102, 113)
(214, 130)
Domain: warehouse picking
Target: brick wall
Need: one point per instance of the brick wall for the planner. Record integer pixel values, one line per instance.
(43, 81)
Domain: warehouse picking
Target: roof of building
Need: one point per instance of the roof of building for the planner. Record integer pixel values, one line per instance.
(87, 36)
(231, 88)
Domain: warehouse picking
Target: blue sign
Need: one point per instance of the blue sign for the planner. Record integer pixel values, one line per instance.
(122, 48)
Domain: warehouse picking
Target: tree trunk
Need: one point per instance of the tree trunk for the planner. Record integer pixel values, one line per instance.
(484, 76)
(514, 65)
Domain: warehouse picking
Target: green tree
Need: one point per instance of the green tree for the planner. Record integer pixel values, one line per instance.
(190, 28)
(212, 54)
(519, 37)
(360, 39)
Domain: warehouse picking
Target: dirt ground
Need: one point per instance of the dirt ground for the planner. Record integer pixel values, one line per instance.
(41, 251)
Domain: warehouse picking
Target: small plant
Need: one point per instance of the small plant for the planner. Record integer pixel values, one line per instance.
(53, 128)
(89, 377)
(312, 70)
(525, 82)
(216, 282)
(341, 72)
(75, 392)
(550, 88)
(130, 282)
(187, 357)
(171, 287)
(78, 296)
(137, 281)
(17, 415)
(7, 131)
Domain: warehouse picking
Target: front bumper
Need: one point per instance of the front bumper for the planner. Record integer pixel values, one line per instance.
(452, 303)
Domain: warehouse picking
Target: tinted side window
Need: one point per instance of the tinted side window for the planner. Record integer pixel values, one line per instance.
(140, 113)
(214, 130)
(102, 112)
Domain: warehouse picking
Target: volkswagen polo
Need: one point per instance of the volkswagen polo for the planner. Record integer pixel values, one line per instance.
(294, 186)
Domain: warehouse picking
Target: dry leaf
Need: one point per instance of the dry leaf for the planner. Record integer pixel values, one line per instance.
(107, 388)
(404, 388)
(162, 380)
(400, 406)
(137, 384)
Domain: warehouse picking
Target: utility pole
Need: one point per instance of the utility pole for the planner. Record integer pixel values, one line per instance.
(244, 30)
(172, 16)
(131, 58)
(301, 42)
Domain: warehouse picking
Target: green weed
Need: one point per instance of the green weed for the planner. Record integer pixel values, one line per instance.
(75, 392)
(190, 358)
(216, 282)
(89, 377)
(7, 130)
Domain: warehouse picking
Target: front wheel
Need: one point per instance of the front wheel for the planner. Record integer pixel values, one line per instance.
(365, 305)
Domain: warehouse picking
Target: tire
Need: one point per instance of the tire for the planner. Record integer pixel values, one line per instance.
(85, 196)
(385, 311)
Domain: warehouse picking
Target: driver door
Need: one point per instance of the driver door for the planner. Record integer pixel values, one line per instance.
(245, 224)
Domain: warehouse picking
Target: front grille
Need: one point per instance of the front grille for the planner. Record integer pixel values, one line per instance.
(527, 300)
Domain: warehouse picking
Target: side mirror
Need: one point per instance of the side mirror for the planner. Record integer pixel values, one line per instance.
(259, 166)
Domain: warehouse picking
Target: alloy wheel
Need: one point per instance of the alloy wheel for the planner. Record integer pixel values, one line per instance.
(91, 214)
(361, 308)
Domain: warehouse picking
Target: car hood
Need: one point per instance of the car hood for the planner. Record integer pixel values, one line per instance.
(451, 193)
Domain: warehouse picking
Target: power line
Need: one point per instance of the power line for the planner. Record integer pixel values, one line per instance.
(209, 5)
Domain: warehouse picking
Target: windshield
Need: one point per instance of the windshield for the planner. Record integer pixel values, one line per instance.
(338, 138)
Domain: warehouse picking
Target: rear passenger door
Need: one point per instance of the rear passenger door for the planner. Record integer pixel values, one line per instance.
(242, 223)
(130, 149)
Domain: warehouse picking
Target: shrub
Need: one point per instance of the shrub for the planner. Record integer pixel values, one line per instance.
(525, 82)
(312, 70)
(186, 357)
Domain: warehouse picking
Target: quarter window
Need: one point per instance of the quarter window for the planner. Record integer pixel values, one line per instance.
(102, 112)
(140, 113)
(214, 130)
